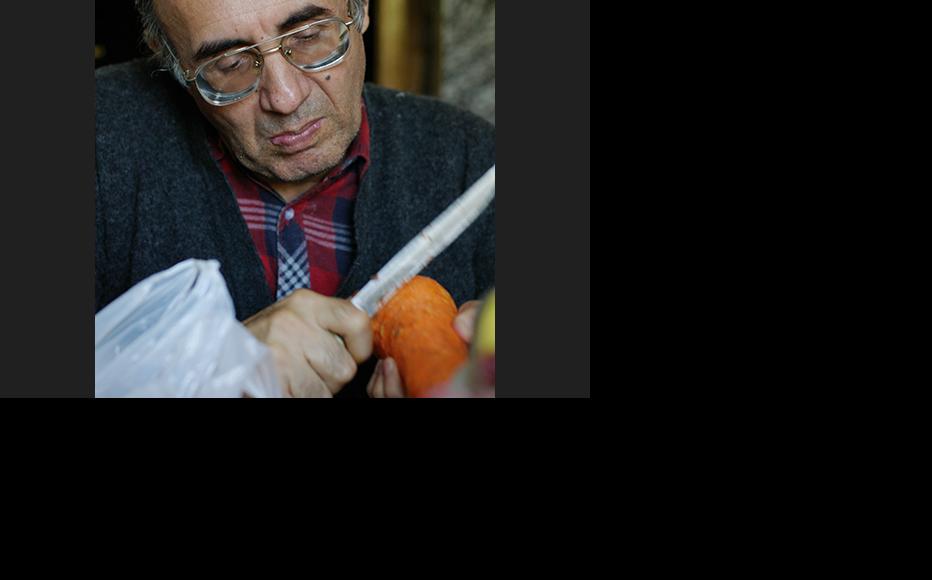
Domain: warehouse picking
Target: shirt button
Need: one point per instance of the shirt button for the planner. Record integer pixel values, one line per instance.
(289, 213)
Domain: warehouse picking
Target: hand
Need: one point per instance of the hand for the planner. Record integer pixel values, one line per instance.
(304, 332)
(465, 321)
(386, 381)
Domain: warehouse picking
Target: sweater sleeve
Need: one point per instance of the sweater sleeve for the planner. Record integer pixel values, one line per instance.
(480, 138)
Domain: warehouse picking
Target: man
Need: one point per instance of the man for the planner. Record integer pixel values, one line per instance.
(258, 144)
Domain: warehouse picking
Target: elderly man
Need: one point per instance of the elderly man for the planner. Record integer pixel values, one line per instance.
(254, 140)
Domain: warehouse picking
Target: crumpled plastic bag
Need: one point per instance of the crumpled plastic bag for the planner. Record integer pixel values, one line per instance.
(175, 334)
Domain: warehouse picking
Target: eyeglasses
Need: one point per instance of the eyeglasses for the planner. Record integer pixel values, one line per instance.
(234, 75)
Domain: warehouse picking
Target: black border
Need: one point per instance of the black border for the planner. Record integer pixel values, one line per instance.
(542, 201)
(48, 165)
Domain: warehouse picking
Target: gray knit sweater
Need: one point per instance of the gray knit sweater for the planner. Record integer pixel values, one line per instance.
(161, 198)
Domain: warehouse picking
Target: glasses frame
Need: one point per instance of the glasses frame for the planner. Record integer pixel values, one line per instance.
(236, 97)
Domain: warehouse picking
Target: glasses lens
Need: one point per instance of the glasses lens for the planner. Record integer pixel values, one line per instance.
(319, 46)
(230, 78)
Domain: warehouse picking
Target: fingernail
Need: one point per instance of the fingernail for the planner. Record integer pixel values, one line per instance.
(389, 366)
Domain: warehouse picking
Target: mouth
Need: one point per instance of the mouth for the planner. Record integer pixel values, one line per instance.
(293, 141)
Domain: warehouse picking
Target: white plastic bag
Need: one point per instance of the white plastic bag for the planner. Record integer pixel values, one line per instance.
(175, 334)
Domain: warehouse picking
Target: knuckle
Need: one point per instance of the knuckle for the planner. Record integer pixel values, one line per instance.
(311, 386)
(283, 325)
(359, 322)
(302, 298)
(344, 369)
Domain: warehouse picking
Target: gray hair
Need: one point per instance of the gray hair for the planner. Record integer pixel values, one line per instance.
(153, 35)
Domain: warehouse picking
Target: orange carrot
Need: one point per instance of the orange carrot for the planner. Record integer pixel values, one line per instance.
(415, 328)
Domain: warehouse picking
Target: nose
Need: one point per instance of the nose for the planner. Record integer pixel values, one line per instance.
(283, 87)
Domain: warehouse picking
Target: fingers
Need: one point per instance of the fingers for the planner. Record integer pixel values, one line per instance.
(315, 389)
(386, 381)
(465, 321)
(328, 359)
(345, 320)
(297, 378)
(302, 332)
(391, 380)
(376, 387)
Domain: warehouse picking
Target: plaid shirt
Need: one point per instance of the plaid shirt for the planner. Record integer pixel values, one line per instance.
(308, 243)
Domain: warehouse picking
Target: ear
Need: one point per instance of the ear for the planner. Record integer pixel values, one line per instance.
(153, 45)
(365, 19)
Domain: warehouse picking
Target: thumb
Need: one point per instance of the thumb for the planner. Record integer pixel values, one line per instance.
(465, 321)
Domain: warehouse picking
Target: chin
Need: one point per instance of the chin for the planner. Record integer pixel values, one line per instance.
(311, 163)
(299, 166)
(302, 171)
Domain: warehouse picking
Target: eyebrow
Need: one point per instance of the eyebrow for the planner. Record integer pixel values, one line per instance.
(211, 48)
(311, 12)
(215, 47)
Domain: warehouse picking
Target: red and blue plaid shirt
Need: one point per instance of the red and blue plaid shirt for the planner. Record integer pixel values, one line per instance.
(308, 243)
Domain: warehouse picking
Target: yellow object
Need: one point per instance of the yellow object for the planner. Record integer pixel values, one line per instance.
(484, 340)
(407, 41)
(476, 378)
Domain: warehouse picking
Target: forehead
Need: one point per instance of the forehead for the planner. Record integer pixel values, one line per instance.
(194, 21)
